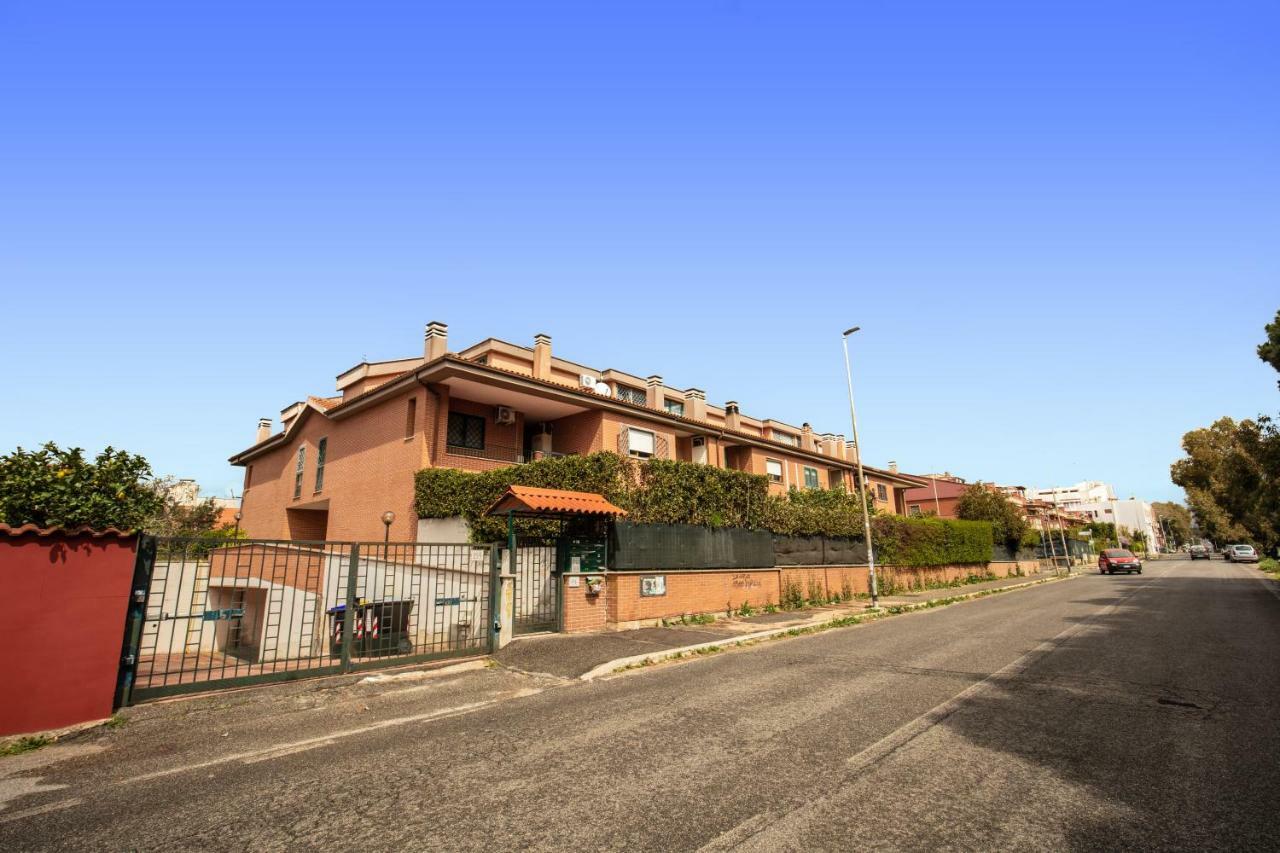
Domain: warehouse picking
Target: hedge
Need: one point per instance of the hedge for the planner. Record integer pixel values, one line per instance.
(930, 541)
(662, 491)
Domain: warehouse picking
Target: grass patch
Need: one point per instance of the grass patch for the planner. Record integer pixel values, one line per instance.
(24, 744)
(690, 619)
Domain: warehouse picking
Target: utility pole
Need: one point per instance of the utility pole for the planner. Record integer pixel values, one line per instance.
(1062, 532)
(862, 480)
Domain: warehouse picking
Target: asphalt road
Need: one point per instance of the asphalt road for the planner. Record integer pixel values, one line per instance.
(1130, 712)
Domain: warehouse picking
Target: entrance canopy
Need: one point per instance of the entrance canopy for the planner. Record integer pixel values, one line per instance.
(531, 501)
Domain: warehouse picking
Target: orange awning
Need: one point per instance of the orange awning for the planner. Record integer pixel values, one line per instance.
(531, 500)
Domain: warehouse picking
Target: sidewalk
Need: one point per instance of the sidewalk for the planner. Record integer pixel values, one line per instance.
(575, 655)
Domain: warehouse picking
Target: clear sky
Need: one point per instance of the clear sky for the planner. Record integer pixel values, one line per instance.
(1057, 223)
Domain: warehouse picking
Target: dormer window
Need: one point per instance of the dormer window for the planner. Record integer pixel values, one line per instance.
(786, 438)
(627, 394)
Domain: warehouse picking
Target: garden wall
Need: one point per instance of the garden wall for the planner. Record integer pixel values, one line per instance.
(67, 594)
(622, 605)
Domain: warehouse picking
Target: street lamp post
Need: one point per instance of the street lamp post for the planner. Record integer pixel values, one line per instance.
(862, 480)
(387, 518)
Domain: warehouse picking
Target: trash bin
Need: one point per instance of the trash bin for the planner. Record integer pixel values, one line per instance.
(386, 627)
(382, 627)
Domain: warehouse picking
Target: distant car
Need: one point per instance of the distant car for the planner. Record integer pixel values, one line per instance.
(1199, 552)
(1114, 560)
(1242, 554)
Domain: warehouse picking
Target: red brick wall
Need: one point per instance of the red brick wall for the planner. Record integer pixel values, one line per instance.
(299, 568)
(369, 469)
(61, 640)
(690, 592)
(715, 591)
(580, 434)
(582, 612)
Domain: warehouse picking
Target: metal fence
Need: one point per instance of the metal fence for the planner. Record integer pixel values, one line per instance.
(264, 610)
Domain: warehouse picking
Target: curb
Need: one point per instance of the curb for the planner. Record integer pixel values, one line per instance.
(870, 615)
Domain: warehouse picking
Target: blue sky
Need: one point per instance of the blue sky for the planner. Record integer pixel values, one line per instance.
(1057, 223)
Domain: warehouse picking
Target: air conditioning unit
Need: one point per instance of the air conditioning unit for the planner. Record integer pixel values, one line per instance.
(504, 415)
(699, 440)
(587, 380)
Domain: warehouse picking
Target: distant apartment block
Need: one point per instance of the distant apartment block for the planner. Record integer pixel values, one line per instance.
(339, 462)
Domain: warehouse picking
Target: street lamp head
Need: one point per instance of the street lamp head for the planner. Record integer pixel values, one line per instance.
(388, 517)
(848, 332)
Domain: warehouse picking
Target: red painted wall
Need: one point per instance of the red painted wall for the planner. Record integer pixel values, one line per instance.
(64, 599)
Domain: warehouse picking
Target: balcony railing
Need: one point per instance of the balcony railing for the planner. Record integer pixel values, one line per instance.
(495, 452)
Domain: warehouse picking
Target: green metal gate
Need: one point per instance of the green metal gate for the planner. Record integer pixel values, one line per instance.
(205, 617)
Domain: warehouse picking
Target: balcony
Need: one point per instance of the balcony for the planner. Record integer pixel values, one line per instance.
(493, 452)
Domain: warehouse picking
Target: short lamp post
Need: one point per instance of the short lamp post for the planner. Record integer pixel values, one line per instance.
(387, 518)
(862, 480)
(239, 516)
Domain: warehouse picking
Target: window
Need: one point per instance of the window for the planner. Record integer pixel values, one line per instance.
(482, 359)
(811, 478)
(675, 407)
(297, 472)
(320, 454)
(640, 442)
(411, 417)
(786, 438)
(914, 511)
(248, 477)
(465, 431)
(631, 395)
(882, 494)
(773, 468)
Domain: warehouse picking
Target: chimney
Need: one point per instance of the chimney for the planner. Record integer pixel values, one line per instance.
(541, 356)
(695, 404)
(851, 451)
(732, 420)
(436, 340)
(893, 466)
(829, 447)
(654, 397)
(264, 430)
(842, 448)
(806, 437)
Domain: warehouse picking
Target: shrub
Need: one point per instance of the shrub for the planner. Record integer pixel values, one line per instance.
(930, 541)
(792, 597)
(662, 491)
(813, 512)
(982, 503)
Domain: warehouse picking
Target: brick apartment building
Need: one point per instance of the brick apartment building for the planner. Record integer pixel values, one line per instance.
(340, 462)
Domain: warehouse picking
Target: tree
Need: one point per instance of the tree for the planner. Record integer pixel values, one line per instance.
(178, 518)
(1269, 350)
(53, 487)
(1231, 473)
(981, 503)
(1176, 520)
(1102, 534)
(1231, 476)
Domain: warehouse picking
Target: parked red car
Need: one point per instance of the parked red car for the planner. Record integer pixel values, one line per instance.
(1114, 560)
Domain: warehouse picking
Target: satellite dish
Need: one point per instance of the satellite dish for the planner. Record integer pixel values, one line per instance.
(602, 388)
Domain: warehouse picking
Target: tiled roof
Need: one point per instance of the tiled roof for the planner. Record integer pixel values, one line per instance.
(340, 404)
(44, 532)
(325, 403)
(528, 499)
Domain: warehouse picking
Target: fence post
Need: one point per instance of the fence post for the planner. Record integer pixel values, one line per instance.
(349, 612)
(135, 614)
(495, 597)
